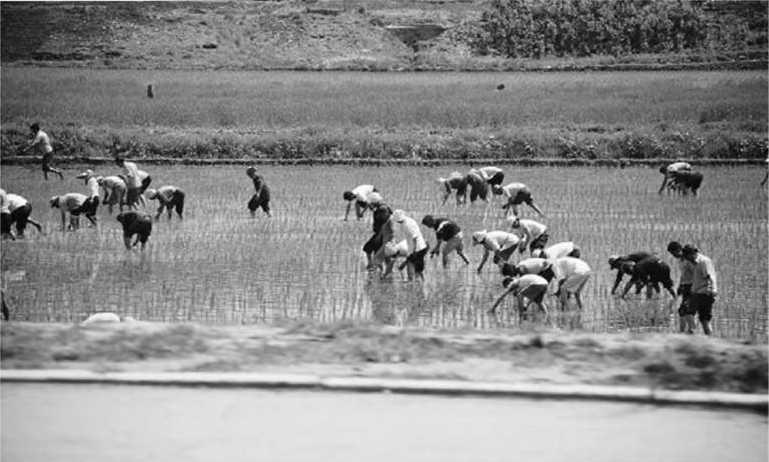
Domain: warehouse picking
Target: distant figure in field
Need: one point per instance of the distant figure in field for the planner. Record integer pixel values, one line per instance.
(532, 233)
(382, 232)
(571, 275)
(42, 142)
(15, 209)
(114, 191)
(91, 204)
(417, 247)
(516, 194)
(360, 196)
(686, 268)
(501, 243)
(135, 182)
(685, 182)
(625, 265)
(135, 224)
(494, 176)
(704, 288)
(766, 174)
(449, 232)
(455, 182)
(529, 287)
(668, 170)
(72, 204)
(261, 197)
(170, 198)
(538, 266)
(150, 92)
(479, 188)
(561, 249)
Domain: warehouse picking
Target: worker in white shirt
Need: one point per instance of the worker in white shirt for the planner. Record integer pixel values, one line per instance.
(704, 288)
(516, 194)
(501, 243)
(538, 266)
(528, 289)
(571, 275)
(669, 170)
(133, 182)
(70, 204)
(532, 233)
(15, 210)
(360, 196)
(170, 198)
(492, 174)
(114, 191)
(42, 143)
(391, 252)
(454, 182)
(417, 247)
(91, 204)
(561, 249)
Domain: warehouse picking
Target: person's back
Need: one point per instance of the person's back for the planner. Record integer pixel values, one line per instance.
(567, 266)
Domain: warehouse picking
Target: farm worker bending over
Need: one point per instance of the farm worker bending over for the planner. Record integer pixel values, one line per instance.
(360, 195)
(685, 182)
(456, 182)
(572, 274)
(478, 186)
(114, 191)
(538, 266)
(561, 249)
(91, 205)
(15, 210)
(382, 232)
(668, 170)
(261, 197)
(492, 175)
(391, 252)
(704, 288)
(624, 264)
(71, 203)
(528, 286)
(42, 143)
(170, 197)
(448, 232)
(531, 232)
(516, 194)
(133, 182)
(502, 243)
(135, 223)
(650, 272)
(417, 247)
(684, 289)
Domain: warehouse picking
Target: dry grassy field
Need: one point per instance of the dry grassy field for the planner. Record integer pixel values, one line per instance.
(221, 266)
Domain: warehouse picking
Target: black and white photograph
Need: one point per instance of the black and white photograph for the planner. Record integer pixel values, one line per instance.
(384, 230)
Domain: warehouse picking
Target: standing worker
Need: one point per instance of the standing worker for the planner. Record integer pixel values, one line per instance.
(417, 247)
(684, 289)
(133, 182)
(42, 141)
(261, 197)
(704, 288)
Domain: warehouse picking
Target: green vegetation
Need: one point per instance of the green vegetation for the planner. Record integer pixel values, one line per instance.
(235, 115)
(219, 266)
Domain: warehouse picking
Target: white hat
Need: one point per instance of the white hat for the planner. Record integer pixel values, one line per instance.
(87, 174)
(479, 236)
(398, 215)
(151, 193)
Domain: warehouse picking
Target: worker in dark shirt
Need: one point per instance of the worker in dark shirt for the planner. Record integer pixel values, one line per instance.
(651, 272)
(261, 197)
(449, 232)
(624, 265)
(382, 232)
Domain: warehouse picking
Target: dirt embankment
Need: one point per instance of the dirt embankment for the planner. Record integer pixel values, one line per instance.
(297, 35)
(664, 361)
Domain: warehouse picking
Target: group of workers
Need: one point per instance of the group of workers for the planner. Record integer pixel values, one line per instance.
(396, 235)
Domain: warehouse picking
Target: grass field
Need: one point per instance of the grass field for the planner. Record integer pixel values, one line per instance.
(220, 266)
(385, 115)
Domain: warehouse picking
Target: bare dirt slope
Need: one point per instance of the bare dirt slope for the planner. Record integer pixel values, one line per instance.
(666, 361)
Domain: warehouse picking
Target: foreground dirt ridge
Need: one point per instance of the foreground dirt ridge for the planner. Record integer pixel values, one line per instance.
(344, 349)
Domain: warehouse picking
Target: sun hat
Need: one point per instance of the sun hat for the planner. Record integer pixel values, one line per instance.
(479, 236)
(398, 216)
